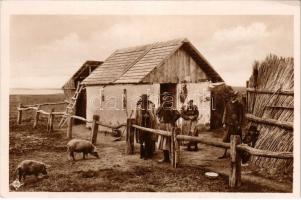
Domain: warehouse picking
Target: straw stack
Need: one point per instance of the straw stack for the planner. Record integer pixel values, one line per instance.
(274, 74)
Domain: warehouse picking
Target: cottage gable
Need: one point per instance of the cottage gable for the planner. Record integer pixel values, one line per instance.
(134, 65)
(180, 66)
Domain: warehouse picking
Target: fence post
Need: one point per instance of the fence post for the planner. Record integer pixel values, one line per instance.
(36, 117)
(69, 128)
(130, 136)
(235, 170)
(177, 147)
(50, 121)
(94, 129)
(19, 118)
(247, 98)
(172, 148)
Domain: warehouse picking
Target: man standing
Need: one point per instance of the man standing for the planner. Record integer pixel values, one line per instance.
(167, 117)
(190, 114)
(145, 117)
(232, 119)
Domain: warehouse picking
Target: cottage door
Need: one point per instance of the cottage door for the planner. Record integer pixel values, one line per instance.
(171, 88)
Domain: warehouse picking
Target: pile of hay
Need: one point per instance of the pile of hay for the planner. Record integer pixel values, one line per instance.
(273, 74)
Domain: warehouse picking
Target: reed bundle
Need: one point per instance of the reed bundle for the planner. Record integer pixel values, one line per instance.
(274, 74)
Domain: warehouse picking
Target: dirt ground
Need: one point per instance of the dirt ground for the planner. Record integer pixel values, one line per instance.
(114, 171)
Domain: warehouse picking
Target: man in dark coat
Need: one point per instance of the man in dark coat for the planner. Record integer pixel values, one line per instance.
(232, 119)
(145, 117)
(167, 117)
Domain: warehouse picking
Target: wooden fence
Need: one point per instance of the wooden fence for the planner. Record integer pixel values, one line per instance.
(38, 111)
(94, 130)
(235, 146)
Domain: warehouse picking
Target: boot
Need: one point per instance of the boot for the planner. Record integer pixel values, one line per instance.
(166, 157)
(141, 151)
(196, 148)
(188, 147)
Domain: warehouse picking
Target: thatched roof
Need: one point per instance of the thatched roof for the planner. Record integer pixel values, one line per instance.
(271, 98)
(81, 73)
(131, 65)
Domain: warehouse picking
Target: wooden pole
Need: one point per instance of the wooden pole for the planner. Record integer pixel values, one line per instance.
(235, 170)
(69, 129)
(36, 117)
(173, 139)
(282, 124)
(49, 123)
(172, 149)
(51, 117)
(94, 130)
(177, 147)
(130, 136)
(247, 98)
(19, 118)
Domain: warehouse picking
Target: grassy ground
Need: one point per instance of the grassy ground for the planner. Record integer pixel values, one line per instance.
(114, 171)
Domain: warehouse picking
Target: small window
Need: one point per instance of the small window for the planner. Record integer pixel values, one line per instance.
(102, 97)
(124, 98)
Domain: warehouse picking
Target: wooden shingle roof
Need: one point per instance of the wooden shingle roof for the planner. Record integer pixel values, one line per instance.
(131, 65)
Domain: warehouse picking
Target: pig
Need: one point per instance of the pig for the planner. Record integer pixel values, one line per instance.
(30, 167)
(81, 146)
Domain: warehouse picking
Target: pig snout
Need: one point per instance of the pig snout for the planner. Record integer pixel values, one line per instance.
(95, 154)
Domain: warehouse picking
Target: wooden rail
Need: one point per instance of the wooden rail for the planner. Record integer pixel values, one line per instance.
(81, 118)
(37, 108)
(111, 126)
(280, 107)
(204, 141)
(265, 153)
(262, 91)
(155, 131)
(48, 104)
(287, 125)
(235, 146)
(94, 130)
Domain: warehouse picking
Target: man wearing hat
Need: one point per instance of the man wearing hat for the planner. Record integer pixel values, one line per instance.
(167, 117)
(232, 119)
(190, 114)
(145, 117)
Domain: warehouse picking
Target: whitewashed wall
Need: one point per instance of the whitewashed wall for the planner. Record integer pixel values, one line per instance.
(110, 111)
(201, 96)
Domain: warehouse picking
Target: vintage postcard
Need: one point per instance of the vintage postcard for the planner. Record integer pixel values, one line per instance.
(150, 99)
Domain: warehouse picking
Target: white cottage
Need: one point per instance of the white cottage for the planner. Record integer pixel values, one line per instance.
(114, 88)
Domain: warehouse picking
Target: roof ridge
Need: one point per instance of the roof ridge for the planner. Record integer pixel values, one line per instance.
(127, 49)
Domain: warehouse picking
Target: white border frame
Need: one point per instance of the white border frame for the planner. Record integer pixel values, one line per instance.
(9, 8)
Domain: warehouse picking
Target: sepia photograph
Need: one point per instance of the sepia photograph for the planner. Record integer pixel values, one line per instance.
(149, 98)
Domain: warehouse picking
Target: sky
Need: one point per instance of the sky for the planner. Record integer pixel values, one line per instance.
(45, 50)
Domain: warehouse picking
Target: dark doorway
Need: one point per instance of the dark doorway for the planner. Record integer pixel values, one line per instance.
(171, 88)
(81, 106)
